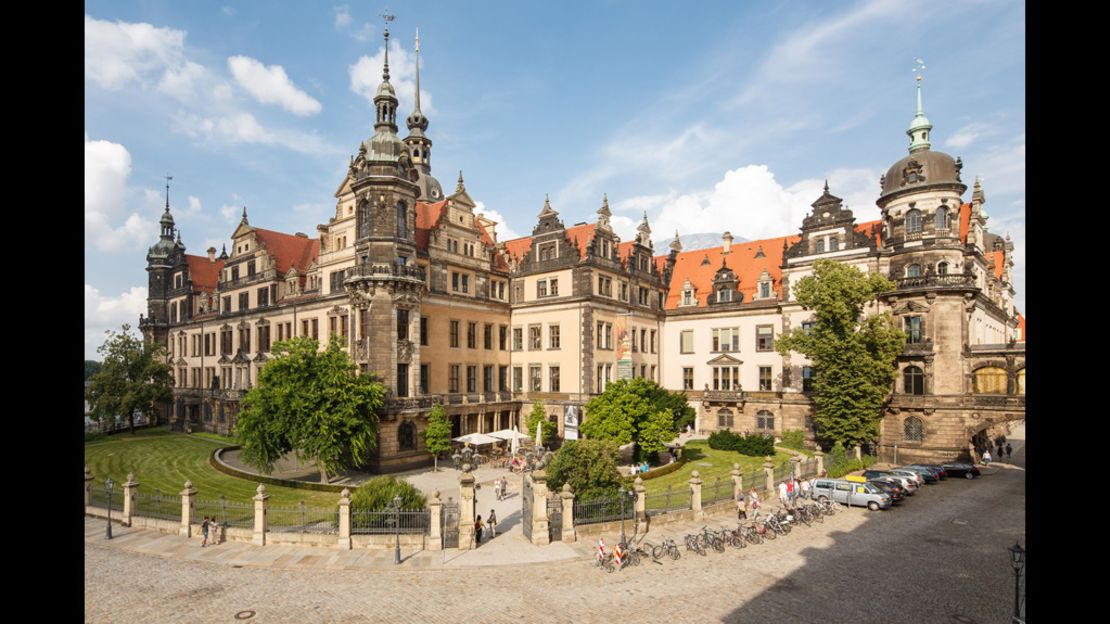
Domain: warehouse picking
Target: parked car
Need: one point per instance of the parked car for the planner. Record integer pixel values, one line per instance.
(936, 468)
(897, 494)
(904, 480)
(915, 477)
(842, 491)
(925, 473)
(966, 471)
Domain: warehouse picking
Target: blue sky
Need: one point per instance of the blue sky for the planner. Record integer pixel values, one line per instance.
(709, 116)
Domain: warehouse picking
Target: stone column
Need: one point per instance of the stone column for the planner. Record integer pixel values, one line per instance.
(129, 490)
(796, 466)
(467, 507)
(641, 504)
(737, 482)
(820, 461)
(188, 500)
(769, 472)
(435, 535)
(540, 536)
(569, 534)
(695, 494)
(261, 522)
(344, 542)
(88, 487)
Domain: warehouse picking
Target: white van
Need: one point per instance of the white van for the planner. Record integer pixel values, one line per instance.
(849, 493)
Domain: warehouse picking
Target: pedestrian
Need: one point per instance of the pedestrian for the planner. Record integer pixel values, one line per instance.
(492, 522)
(497, 488)
(204, 532)
(1009, 450)
(478, 530)
(806, 485)
(214, 528)
(790, 492)
(987, 457)
(504, 487)
(1000, 452)
(784, 496)
(741, 507)
(753, 499)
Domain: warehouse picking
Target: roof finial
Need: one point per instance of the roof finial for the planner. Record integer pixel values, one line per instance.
(920, 126)
(417, 70)
(826, 185)
(460, 188)
(168, 178)
(388, 17)
(676, 244)
(244, 214)
(547, 209)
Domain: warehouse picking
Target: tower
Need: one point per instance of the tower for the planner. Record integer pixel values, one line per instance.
(160, 262)
(419, 145)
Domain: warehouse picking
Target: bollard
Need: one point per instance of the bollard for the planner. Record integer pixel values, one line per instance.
(261, 524)
(695, 494)
(344, 542)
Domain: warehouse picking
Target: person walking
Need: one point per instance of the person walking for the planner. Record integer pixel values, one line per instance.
(204, 532)
(753, 499)
(784, 496)
(1000, 452)
(806, 485)
(497, 488)
(504, 487)
(741, 507)
(214, 529)
(790, 494)
(987, 457)
(1009, 451)
(477, 531)
(492, 522)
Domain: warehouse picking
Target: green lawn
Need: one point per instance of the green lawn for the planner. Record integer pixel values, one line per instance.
(163, 459)
(720, 463)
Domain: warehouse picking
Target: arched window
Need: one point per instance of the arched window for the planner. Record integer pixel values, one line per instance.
(363, 219)
(765, 420)
(914, 379)
(990, 380)
(724, 418)
(913, 270)
(1021, 381)
(913, 430)
(724, 294)
(820, 245)
(942, 268)
(402, 220)
(942, 218)
(406, 436)
(913, 221)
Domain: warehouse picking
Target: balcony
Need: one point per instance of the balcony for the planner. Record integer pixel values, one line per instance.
(724, 396)
(918, 348)
(386, 271)
(957, 280)
(1012, 402)
(397, 404)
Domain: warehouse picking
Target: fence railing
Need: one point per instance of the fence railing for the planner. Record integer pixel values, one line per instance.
(717, 490)
(99, 498)
(364, 522)
(227, 513)
(157, 505)
(674, 498)
(601, 510)
(302, 519)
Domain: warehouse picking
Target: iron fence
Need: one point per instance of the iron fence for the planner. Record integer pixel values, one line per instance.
(99, 498)
(364, 521)
(602, 510)
(717, 490)
(157, 505)
(671, 499)
(227, 513)
(301, 518)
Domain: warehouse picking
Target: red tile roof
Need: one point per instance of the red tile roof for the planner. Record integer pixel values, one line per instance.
(624, 250)
(743, 262)
(288, 250)
(965, 222)
(519, 247)
(1021, 328)
(582, 235)
(203, 272)
(427, 217)
(999, 262)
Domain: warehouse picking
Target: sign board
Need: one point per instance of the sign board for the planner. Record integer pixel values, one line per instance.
(570, 422)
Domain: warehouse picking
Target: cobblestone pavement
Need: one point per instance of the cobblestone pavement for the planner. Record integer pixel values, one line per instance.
(940, 557)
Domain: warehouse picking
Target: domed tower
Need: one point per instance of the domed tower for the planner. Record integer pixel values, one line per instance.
(420, 146)
(160, 262)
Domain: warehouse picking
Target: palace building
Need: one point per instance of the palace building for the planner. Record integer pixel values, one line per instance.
(421, 292)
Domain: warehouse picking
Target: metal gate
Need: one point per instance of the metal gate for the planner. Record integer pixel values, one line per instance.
(555, 519)
(450, 517)
(526, 507)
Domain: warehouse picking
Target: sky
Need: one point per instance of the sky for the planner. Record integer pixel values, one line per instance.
(708, 117)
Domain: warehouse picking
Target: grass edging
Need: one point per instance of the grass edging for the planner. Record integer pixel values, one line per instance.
(217, 463)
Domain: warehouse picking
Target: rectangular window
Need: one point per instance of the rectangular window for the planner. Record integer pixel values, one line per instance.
(764, 290)
(764, 338)
(264, 338)
(643, 341)
(608, 335)
(453, 378)
(541, 288)
(487, 336)
(471, 379)
(548, 252)
(487, 378)
(402, 380)
(652, 374)
(304, 327)
(263, 297)
(726, 339)
(604, 286)
(518, 293)
(227, 304)
(600, 379)
(535, 376)
(726, 378)
(454, 334)
(688, 378)
(316, 329)
(535, 338)
(503, 378)
(502, 337)
(554, 286)
(552, 336)
(343, 325)
(765, 378)
(624, 291)
(807, 327)
(643, 295)
(244, 301)
(333, 324)
(912, 327)
(686, 341)
(245, 339)
(454, 281)
(518, 379)
(518, 339)
(402, 324)
(553, 378)
(471, 335)
(643, 370)
(465, 283)
(423, 379)
(424, 331)
(250, 268)
(807, 379)
(234, 273)
(600, 335)
(653, 341)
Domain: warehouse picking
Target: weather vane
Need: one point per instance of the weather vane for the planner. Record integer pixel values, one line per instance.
(387, 16)
(919, 65)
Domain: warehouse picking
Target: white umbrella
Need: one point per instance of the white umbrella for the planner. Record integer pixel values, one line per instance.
(516, 442)
(539, 434)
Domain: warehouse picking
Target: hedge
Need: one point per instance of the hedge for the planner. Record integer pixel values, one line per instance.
(753, 444)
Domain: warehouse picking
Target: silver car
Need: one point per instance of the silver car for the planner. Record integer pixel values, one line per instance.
(851, 493)
(917, 479)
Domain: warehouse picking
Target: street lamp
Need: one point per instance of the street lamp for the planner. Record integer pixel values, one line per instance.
(457, 458)
(621, 491)
(397, 529)
(108, 488)
(1017, 560)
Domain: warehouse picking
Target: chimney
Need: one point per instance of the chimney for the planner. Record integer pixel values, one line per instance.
(727, 237)
(212, 255)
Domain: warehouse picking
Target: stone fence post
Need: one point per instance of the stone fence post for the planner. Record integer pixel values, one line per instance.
(796, 466)
(540, 536)
(261, 522)
(344, 542)
(88, 487)
(435, 534)
(641, 504)
(188, 500)
(569, 534)
(820, 461)
(130, 488)
(737, 482)
(695, 494)
(769, 472)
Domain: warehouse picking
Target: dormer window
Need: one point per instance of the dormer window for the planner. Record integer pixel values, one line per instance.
(687, 297)
(724, 294)
(548, 251)
(765, 290)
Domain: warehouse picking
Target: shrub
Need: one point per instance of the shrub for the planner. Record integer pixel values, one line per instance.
(377, 495)
(754, 444)
(589, 466)
(794, 439)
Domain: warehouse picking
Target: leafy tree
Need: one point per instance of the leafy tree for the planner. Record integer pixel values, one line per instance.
(589, 466)
(311, 402)
(134, 377)
(377, 494)
(539, 414)
(91, 368)
(437, 437)
(854, 359)
(795, 439)
(636, 410)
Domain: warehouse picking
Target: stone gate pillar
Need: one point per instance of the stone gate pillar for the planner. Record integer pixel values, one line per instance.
(261, 522)
(468, 506)
(188, 497)
(435, 535)
(737, 482)
(130, 488)
(820, 461)
(769, 472)
(641, 505)
(540, 536)
(344, 542)
(695, 494)
(569, 535)
(796, 466)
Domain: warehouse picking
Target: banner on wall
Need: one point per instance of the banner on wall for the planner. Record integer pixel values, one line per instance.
(570, 422)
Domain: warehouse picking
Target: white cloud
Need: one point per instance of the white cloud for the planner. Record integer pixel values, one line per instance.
(117, 53)
(342, 17)
(502, 229)
(625, 227)
(271, 85)
(968, 134)
(180, 82)
(228, 10)
(1001, 167)
(750, 202)
(231, 213)
(194, 205)
(109, 313)
(242, 127)
(366, 75)
(107, 166)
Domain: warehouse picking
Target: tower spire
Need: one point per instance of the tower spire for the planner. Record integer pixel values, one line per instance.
(418, 70)
(168, 178)
(920, 126)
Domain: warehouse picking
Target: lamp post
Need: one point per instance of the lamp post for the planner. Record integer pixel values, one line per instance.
(620, 493)
(397, 530)
(108, 488)
(1017, 560)
(456, 457)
